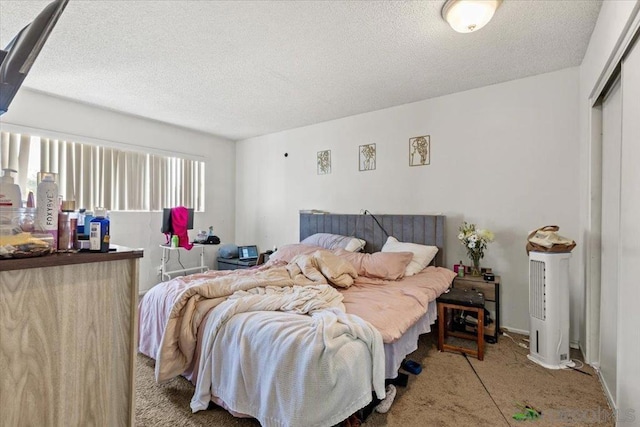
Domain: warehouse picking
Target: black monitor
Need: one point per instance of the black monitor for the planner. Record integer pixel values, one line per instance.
(167, 227)
(19, 55)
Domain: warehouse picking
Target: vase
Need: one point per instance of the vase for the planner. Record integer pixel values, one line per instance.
(475, 267)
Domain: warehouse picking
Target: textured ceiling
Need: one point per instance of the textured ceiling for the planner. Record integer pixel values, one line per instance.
(242, 68)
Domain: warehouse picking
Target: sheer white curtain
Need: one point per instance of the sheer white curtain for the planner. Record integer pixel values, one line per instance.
(116, 179)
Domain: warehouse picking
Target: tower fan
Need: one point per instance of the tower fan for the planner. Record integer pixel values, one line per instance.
(549, 309)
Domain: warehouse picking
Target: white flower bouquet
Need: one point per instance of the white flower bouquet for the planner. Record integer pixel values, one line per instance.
(475, 241)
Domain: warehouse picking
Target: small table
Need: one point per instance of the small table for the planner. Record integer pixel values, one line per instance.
(166, 250)
(466, 300)
(491, 293)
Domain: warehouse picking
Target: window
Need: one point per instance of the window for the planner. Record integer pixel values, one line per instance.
(93, 175)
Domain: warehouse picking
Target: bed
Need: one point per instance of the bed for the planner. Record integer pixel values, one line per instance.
(286, 342)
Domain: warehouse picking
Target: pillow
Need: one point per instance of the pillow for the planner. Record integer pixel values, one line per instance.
(335, 241)
(338, 271)
(422, 255)
(228, 250)
(287, 252)
(381, 265)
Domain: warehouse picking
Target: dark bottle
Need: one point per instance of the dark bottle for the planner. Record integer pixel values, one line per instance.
(99, 232)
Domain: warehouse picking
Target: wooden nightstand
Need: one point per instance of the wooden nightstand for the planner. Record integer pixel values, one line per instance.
(466, 300)
(491, 293)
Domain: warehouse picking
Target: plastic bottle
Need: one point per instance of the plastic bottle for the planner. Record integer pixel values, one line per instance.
(80, 227)
(67, 227)
(99, 232)
(460, 269)
(10, 194)
(31, 203)
(88, 216)
(175, 241)
(47, 206)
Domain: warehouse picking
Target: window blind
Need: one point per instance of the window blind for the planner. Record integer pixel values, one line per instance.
(116, 179)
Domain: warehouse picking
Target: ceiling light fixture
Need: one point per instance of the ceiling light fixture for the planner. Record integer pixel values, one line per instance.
(466, 16)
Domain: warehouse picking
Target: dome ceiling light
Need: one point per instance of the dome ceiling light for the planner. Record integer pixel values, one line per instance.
(466, 16)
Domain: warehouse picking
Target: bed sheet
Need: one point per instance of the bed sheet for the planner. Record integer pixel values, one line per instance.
(399, 310)
(398, 350)
(394, 306)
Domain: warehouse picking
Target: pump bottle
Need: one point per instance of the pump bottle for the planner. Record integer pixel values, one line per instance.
(10, 195)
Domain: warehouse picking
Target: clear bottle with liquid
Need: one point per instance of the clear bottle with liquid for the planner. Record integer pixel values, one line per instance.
(460, 269)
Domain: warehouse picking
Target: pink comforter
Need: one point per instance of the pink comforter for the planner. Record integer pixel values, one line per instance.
(390, 306)
(393, 306)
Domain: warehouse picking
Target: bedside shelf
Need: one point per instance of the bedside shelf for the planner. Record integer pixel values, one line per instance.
(491, 293)
(234, 264)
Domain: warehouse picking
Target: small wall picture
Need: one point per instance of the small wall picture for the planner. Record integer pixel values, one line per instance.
(420, 150)
(368, 157)
(324, 162)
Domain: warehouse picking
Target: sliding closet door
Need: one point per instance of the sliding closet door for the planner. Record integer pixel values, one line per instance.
(611, 146)
(629, 273)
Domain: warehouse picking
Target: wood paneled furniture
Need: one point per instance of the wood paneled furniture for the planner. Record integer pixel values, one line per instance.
(467, 300)
(491, 293)
(68, 339)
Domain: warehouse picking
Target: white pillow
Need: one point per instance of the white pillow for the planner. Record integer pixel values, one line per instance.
(422, 255)
(355, 245)
(335, 241)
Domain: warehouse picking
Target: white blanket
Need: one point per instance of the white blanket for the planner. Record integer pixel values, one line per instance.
(190, 306)
(299, 370)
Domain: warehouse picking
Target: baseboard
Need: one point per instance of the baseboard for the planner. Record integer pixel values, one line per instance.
(514, 330)
(607, 393)
(572, 344)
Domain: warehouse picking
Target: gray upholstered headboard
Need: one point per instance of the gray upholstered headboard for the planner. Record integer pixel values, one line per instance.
(422, 229)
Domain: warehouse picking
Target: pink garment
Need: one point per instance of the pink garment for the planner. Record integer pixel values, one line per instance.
(179, 221)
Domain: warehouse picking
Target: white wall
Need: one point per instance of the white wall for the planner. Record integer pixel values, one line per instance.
(141, 229)
(502, 156)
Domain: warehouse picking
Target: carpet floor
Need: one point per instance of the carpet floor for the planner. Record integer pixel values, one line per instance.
(451, 391)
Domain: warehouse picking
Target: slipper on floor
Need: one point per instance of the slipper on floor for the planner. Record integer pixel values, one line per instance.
(384, 406)
(412, 367)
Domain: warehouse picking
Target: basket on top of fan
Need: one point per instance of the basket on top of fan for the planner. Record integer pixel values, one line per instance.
(547, 239)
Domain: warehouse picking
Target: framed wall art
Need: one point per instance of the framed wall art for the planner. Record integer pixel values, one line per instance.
(324, 162)
(367, 157)
(420, 150)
